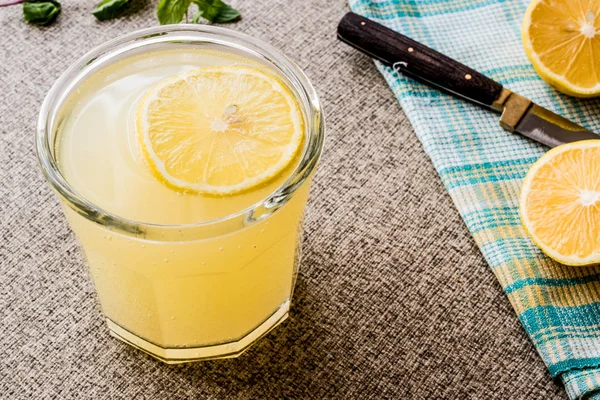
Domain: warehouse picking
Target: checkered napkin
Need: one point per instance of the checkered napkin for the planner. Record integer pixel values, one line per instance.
(483, 166)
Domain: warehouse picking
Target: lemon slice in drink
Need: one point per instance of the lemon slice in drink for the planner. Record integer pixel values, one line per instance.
(560, 203)
(219, 130)
(562, 40)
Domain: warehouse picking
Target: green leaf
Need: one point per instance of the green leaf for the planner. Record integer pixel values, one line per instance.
(41, 12)
(108, 9)
(215, 11)
(172, 11)
(196, 17)
(227, 14)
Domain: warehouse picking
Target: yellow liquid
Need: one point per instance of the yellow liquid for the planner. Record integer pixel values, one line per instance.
(183, 293)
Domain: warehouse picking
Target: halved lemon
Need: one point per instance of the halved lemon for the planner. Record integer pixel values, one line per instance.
(219, 130)
(562, 40)
(560, 203)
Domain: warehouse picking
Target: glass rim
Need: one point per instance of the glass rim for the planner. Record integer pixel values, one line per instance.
(66, 83)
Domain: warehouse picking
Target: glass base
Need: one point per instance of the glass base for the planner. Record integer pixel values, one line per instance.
(178, 355)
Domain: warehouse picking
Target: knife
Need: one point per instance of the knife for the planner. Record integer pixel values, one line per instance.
(518, 114)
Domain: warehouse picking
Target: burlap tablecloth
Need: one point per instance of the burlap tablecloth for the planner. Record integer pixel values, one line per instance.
(393, 298)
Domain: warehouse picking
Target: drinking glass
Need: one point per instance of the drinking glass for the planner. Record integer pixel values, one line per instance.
(201, 290)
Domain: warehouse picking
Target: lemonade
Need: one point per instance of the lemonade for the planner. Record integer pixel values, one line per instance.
(184, 171)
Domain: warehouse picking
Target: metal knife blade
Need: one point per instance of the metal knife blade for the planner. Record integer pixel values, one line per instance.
(522, 116)
(551, 129)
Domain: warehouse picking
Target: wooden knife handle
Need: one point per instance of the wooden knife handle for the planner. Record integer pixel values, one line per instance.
(417, 60)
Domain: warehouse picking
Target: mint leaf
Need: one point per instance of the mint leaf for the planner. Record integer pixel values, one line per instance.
(108, 9)
(196, 17)
(227, 14)
(172, 11)
(215, 11)
(41, 12)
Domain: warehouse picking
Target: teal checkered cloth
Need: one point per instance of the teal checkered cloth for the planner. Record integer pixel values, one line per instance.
(483, 166)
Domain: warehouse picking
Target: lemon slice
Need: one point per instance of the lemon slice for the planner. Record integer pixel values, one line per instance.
(562, 40)
(560, 203)
(219, 130)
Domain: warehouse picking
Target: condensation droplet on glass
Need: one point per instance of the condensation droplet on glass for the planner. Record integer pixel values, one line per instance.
(149, 315)
(254, 246)
(239, 247)
(171, 251)
(166, 260)
(262, 231)
(172, 318)
(143, 246)
(220, 248)
(203, 262)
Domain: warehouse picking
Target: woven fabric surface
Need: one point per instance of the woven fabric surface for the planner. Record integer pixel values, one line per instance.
(393, 299)
(482, 168)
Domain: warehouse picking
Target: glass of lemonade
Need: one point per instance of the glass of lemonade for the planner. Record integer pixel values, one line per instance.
(182, 156)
